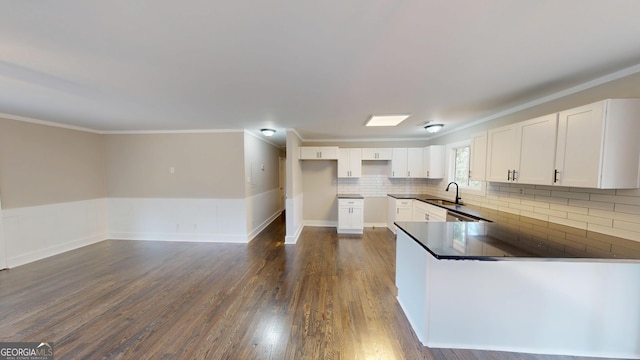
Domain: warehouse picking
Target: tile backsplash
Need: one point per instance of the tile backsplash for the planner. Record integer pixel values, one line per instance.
(380, 186)
(613, 211)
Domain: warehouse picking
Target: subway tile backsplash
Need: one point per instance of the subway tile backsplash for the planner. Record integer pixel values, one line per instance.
(609, 211)
(380, 186)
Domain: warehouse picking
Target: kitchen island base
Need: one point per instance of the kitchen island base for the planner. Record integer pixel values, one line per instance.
(573, 307)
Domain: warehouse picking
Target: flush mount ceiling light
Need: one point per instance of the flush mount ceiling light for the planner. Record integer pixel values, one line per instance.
(267, 132)
(386, 120)
(433, 128)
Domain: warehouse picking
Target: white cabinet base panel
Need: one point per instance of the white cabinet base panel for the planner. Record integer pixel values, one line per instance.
(544, 307)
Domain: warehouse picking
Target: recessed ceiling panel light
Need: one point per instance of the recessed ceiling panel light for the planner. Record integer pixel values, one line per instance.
(386, 120)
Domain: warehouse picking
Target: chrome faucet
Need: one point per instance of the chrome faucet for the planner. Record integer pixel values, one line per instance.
(458, 198)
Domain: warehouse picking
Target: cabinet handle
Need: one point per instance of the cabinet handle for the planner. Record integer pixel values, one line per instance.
(508, 175)
(409, 173)
(397, 211)
(427, 173)
(514, 176)
(555, 175)
(393, 173)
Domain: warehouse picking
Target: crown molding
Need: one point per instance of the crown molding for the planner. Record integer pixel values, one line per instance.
(47, 123)
(545, 99)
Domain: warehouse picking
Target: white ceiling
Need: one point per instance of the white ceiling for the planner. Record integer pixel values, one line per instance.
(321, 67)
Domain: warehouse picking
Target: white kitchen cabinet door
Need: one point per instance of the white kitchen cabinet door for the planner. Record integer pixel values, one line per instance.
(537, 139)
(434, 161)
(415, 163)
(502, 151)
(598, 145)
(318, 153)
(377, 154)
(399, 163)
(399, 210)
(350, 216)
(478, 160)
(349, 162)
(427, 212)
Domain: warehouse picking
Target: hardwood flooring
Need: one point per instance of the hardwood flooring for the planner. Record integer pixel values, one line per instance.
(327, 297)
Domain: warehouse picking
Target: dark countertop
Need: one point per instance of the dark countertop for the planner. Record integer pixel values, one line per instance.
(350, 196)
(506, 236)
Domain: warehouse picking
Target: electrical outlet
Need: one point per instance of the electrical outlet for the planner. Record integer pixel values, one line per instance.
(521, 191)
(172, 170)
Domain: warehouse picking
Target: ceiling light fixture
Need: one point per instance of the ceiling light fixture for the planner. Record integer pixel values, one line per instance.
(386, 120)
(267, 132)
(434, 128)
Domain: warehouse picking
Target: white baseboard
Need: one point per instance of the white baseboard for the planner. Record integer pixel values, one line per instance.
(320, 223)
(36, 232)
(180, 237)
(378, 225)
(292, 239)
(264, 225)
(43, 253)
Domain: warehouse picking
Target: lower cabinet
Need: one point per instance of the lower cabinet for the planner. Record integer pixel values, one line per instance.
(427, 212)
(350, 216)
(399, 210)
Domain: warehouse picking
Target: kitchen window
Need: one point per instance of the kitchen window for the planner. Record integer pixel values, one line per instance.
(459, 163)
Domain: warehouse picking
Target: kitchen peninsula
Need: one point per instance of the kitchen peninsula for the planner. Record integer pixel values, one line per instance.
(511, 285)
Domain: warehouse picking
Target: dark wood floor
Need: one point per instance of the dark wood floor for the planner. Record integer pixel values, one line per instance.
(327, 297)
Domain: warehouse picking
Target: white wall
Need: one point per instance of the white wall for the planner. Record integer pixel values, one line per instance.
(37, 232)
(294, 203)
(207, 220)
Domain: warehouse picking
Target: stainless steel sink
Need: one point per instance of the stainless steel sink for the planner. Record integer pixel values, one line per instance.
(442, 202)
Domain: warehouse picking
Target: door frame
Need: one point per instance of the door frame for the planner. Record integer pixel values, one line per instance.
(282, 182)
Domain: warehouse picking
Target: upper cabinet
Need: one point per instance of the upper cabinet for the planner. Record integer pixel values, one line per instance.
(522, 152)
(415, 163)
(537, 140)
(349, 162)
(377, 154)
(501, 153)
(418, 162)
(318, 153)
(434, 161)
(478, 160)
(398, 163)
(598, 145)
(407, 163)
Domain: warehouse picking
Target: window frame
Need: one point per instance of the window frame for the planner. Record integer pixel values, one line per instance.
(450, 168)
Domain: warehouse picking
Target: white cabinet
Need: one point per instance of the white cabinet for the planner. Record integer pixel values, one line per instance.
(407, 163)
(318, 153)
(350, 216)
(415, 163)
(349, 162)
(399, 163)
(537, 149)
(434, 161)
(399, 210)
(522, 152)
(598, 145)
(377, 154)
(478, 160)
(427, 212)
(501, 153)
